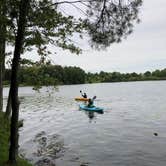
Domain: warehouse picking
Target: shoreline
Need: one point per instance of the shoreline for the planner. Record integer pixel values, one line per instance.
(4, 144)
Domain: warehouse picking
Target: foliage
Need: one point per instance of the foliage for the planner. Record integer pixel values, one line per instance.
(45, 25)
(105, 21)
(4, 143)
(57, 75)
(118, 77)
(73, 75)
(48, 75)
(110, 21)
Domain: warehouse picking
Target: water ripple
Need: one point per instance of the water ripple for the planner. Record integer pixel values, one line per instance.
(57, 133)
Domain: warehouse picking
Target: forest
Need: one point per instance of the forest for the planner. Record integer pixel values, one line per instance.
(45, 75)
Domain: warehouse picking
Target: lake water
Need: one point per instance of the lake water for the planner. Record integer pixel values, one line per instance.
(55, 131)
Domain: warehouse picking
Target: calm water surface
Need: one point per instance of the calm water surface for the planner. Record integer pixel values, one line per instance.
(56, 132)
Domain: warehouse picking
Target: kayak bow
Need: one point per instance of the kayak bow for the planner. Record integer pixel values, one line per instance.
(81, 99)
(92, 108)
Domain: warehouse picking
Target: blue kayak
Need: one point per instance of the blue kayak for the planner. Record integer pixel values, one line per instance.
(92, 108)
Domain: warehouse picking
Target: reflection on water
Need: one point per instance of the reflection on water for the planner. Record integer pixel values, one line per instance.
(92, 115)
(57, 133)
(48, 148)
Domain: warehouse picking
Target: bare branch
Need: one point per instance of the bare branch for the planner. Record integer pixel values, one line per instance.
(69, 2)
(79, 9)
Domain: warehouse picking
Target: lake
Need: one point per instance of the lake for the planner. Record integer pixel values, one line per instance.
(130, 132)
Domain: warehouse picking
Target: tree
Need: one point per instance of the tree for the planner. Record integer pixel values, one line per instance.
(156, 73)
(23, 11)
(113, 20)
(147, 73)
(163, 73)
(2, 47)
(74, 75)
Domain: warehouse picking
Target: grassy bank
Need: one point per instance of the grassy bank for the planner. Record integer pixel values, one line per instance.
(4, 143)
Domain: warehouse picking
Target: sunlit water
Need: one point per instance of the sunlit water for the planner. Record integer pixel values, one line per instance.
(55, 131)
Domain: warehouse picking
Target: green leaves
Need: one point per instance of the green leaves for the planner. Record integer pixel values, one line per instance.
(107, 22)
(47, 25)
(47, 74)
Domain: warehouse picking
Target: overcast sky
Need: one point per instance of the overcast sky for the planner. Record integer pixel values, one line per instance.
(144, 49)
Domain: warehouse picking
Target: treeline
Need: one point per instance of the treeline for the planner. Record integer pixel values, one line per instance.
(122, 77)
(48, 75)
(58, 75)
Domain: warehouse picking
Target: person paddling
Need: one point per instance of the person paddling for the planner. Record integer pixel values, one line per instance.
(91, 101)
(84, 95)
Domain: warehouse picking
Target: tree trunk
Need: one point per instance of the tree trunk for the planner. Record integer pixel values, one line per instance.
(2, 48)
(2, 58)
(14, 80)
(9, 106)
